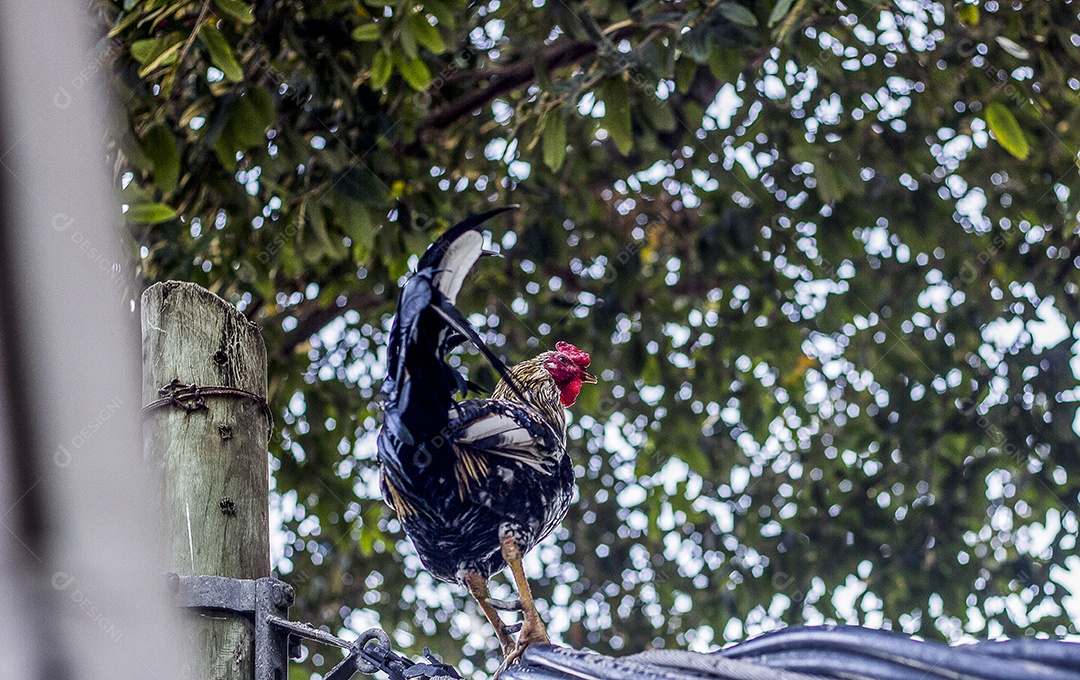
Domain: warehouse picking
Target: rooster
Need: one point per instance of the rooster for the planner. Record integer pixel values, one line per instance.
(475, 483)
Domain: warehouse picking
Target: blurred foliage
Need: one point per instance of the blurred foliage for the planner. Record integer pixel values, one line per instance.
(824, 255)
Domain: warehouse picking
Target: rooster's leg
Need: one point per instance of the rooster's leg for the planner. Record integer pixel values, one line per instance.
(478, 588)
(532, 629)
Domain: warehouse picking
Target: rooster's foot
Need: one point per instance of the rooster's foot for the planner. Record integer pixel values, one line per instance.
(530, 635)
(532, 631)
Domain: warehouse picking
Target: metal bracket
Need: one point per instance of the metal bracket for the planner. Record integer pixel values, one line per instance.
(277, 639)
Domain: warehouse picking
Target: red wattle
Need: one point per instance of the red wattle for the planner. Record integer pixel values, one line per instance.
(570, 392)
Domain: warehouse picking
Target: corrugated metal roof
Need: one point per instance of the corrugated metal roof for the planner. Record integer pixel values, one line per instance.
(815, 653)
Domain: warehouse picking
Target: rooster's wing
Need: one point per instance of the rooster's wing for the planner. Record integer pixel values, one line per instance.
(486, 430)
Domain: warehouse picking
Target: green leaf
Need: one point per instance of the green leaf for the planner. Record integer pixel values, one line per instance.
(543, 75)
(135, 195)
(235, 10)
(830, 186)
(132, 147)
(357, 224)
(141, 50)
(737, 14)
(697, 43)
(323, 244)
(407, 42)
(685, 68)
(150, 213)
(366, 33)
(414, 71)
(155, 53)
(726, 64)
(380, 70)
(263, 103)
(221, 53)
(554, 140)
(360, 184)
(659, 114)
(244, 121)
(969, 14)
(426, 34)
(161, 147)
(1007, 131)
(616, 97)
(167, 57)
(779, 11)
(245, 126)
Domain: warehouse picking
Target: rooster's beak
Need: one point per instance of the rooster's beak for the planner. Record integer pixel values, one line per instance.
(588, 378)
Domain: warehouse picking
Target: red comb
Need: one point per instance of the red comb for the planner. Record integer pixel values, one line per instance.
(576, 355)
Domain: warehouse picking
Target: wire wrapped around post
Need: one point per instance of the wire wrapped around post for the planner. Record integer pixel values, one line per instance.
(192, 397)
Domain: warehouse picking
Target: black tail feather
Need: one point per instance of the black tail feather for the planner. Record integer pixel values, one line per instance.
(437, 249)
(420, 385)
(459, 323)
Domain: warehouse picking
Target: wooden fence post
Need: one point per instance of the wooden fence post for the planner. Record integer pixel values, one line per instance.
(212, 460)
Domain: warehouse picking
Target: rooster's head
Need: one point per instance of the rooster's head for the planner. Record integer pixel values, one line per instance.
(567, 366)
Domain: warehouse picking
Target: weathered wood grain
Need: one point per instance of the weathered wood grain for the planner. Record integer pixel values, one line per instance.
(213, 461)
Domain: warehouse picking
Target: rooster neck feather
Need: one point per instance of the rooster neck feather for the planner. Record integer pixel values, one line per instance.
(539, 390)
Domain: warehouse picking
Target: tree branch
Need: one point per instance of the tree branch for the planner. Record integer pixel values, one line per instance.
(313, 320)
(509, 77)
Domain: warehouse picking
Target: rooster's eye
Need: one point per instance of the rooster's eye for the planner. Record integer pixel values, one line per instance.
(562, 360)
